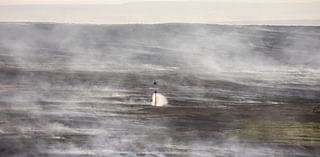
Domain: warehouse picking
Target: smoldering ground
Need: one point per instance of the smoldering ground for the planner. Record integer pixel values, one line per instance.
(85, 90)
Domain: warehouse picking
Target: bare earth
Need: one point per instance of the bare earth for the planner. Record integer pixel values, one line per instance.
(85, 90)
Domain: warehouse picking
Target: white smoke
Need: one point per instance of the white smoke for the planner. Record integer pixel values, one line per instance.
(108, 113)
(159, 100)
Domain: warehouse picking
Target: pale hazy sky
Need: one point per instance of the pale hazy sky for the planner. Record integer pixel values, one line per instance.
(288, 12)
(23, 2)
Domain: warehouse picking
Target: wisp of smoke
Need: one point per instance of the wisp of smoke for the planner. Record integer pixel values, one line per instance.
(159, 100)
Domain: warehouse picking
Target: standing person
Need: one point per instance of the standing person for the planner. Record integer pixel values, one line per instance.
(157, 98)
(154, 96)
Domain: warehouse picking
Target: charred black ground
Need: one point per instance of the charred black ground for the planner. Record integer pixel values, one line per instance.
(85, 90)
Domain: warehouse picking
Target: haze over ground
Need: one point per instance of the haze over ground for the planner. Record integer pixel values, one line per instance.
(86, 90)
(71, 90)
(282, 12)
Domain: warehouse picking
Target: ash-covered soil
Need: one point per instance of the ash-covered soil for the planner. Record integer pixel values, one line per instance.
(85, 90)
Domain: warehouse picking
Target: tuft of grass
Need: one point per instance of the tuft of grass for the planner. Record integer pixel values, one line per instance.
(295, 133)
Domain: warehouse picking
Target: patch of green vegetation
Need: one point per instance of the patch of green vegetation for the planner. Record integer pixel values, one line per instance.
(295, 133)
(198, 113)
